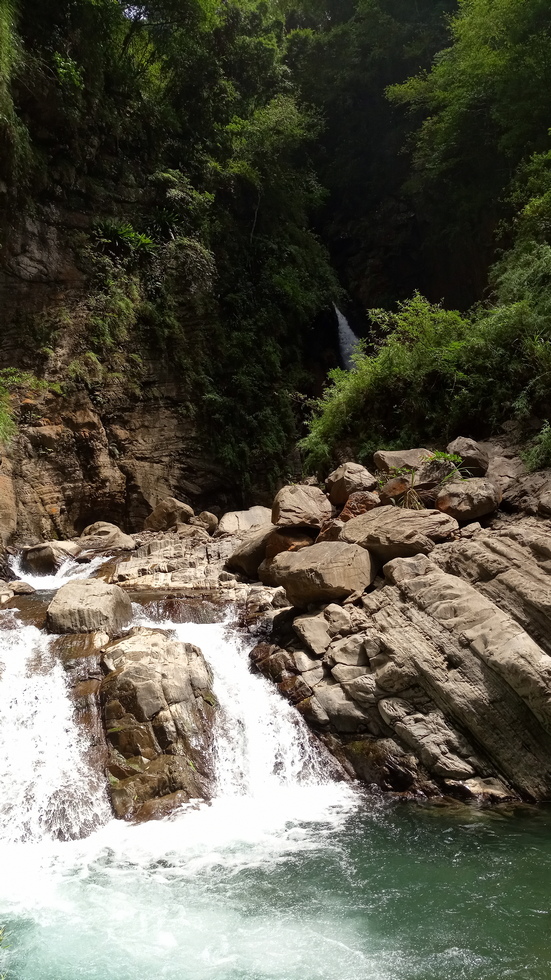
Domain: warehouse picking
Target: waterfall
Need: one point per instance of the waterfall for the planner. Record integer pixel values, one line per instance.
(69, 570)
(347, 340)
(47, 788)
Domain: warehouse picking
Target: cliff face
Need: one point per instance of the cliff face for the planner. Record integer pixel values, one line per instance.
(106, 451)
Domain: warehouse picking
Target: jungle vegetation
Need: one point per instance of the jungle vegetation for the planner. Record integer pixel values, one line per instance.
(238, 166)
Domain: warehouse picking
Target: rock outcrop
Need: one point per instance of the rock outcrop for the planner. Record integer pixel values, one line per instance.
(158, 708)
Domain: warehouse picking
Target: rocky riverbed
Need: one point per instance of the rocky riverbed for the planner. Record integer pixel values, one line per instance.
(404, 612)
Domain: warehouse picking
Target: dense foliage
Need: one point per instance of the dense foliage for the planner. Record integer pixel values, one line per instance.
(225, 158)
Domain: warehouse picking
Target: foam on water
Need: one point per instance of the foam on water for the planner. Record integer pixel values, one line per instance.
(166, 898)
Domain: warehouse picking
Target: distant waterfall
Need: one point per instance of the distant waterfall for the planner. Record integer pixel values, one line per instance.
(347, 340)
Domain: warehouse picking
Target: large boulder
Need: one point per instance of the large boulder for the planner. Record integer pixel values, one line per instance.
(302, 506)
(474, 457)
(48, 557)
(346, 479)
(395, 532)
(87, 605)
(467, 500)
(168, 513)
(325, 572)
(236, 521)
(158, 710)
(105, 536)
(388, 460)
(251, 552)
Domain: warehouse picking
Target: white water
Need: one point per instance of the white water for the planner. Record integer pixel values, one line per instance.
(347, 340)
(68, 571)
(160, 899)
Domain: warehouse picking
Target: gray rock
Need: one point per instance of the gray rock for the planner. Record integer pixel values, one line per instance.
(474, 457)
(313, 629)
(102, 536)
(87, 605)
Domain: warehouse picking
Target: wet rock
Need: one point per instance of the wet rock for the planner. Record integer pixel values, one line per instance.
(300, 506)
(46, 558)
(22, 588)
(348, 479)
(468, 500)
(474, 457)
(323, 573)
(392, 532)
(167, 514)
(87, 605)
(158, 708)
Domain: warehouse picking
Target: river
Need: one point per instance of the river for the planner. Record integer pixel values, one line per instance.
(286, 875)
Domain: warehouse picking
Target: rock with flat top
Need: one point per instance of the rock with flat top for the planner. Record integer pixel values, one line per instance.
(158, 710)
(236, 521)
(87, 605)
(388, 460)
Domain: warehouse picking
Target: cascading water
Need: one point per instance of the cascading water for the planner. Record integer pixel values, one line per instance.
(286, 875)
(347, 340)
(69, 570)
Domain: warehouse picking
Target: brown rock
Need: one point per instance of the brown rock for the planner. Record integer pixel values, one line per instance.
(300, 506)
(347, 479)
(330, 530)
(46, 558)
(358, 503)
(251, 552)
(167, 514)
(393, 532)
(323, 573)
(387, 460)
(287, 539)
(469, 499)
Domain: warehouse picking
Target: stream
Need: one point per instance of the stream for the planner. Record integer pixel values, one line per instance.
(286, 875)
